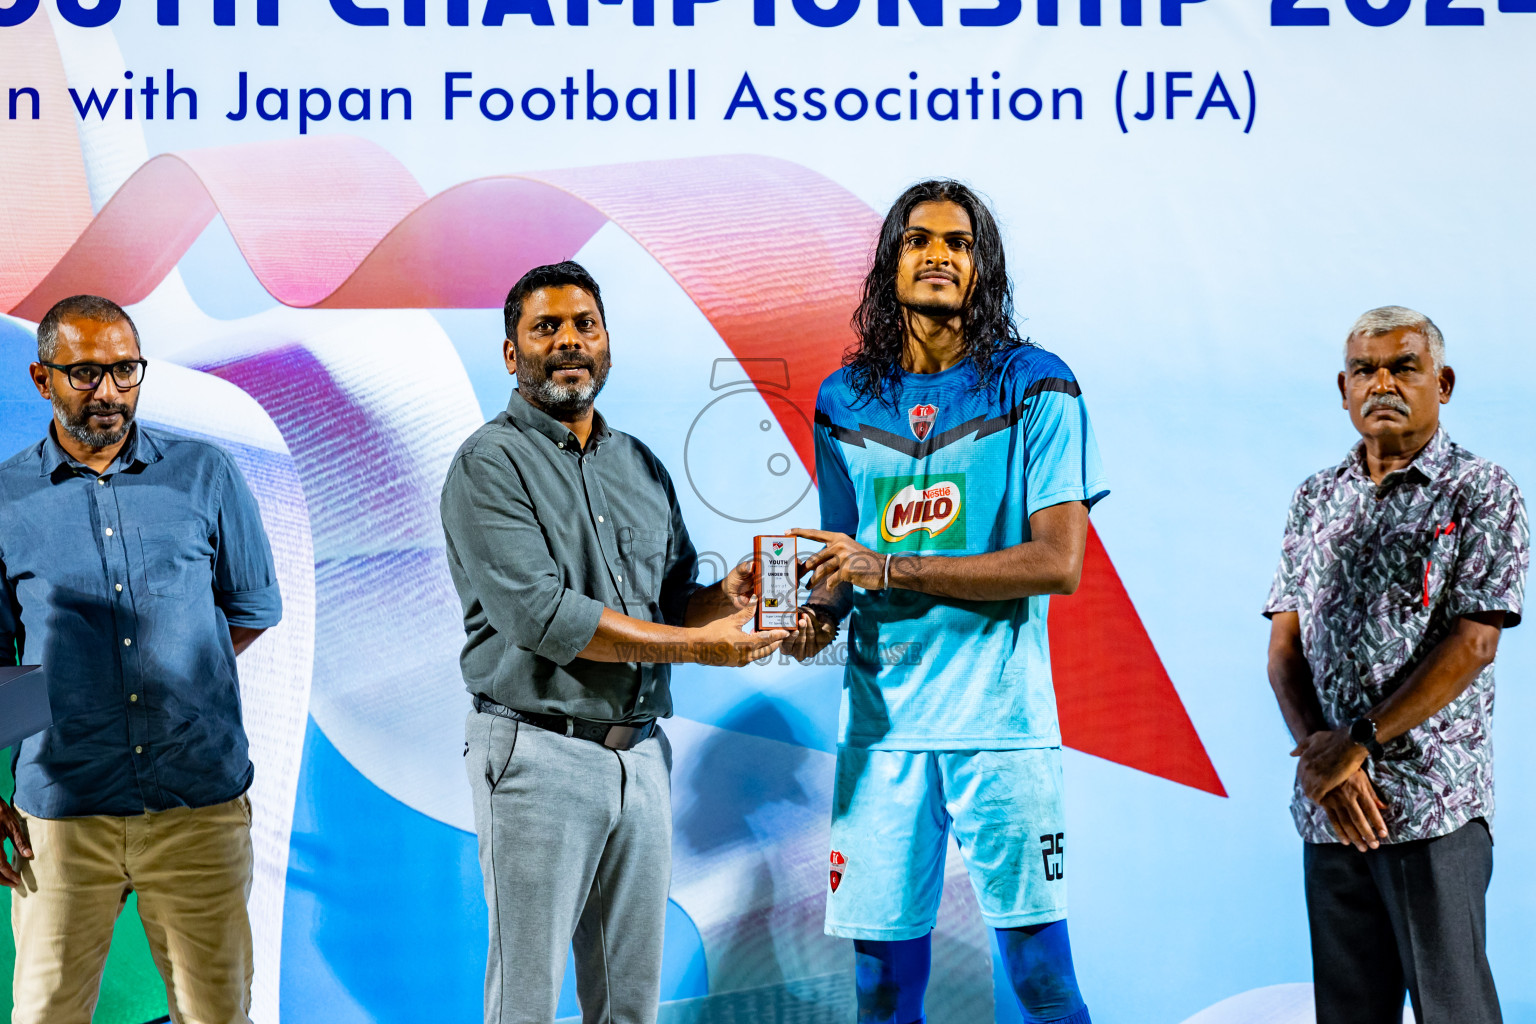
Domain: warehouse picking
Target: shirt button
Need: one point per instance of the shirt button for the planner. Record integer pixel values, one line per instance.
(559, 444)
(599, 518)
(119, 587)
(109, 531)
(100, 482)
(127, 642)
(642, 700)
(618, 579)
(133, 698)
(138, 750)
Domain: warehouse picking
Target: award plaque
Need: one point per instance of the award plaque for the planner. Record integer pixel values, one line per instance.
(776, 602)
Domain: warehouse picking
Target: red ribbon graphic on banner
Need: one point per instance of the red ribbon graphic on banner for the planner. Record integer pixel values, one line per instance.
(771, 252)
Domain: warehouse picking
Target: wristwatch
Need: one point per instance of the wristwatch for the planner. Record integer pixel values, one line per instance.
(1363, 731)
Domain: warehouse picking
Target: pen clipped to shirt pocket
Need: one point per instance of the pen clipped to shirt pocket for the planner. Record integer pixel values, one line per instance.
(1439, 560)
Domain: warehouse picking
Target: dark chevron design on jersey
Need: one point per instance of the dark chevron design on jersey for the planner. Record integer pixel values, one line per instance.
(981, 426)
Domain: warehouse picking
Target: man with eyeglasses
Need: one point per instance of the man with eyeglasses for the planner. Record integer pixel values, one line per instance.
(134, 569)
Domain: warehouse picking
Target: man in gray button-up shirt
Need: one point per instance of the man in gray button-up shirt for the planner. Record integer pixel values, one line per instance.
(569, 553)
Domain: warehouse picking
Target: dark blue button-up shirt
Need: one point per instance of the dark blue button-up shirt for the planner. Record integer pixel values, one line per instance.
(123, 586)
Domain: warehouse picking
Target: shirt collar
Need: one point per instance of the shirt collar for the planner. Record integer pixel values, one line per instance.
(523, 412)
(1432, 461)
(140, 449)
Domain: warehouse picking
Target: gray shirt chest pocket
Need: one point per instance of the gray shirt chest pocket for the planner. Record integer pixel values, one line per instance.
(643, 551)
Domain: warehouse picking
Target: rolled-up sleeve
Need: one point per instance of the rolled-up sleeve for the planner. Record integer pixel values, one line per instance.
(244, 576)
(497, 544)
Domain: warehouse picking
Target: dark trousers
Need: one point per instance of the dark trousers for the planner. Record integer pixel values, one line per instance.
(1406, 917)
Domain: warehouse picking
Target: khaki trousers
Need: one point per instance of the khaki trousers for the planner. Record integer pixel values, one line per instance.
(191, 868)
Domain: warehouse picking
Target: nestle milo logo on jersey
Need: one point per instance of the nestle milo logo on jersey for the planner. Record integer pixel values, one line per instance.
(921, 512)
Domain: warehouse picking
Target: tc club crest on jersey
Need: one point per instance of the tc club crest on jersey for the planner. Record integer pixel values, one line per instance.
(920, 417)
(839, 865)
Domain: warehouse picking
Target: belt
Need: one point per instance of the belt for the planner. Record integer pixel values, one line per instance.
(614, 737)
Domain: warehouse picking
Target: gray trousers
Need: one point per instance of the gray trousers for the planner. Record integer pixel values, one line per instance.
(576, 850)
(1408, 916)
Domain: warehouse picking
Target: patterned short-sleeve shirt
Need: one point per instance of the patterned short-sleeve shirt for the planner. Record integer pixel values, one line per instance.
(1379, 574)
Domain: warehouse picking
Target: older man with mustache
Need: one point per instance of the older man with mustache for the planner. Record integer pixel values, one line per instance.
(1399, 568)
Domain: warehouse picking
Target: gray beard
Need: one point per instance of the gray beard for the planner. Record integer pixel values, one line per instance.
(77, 429)
(561, 400)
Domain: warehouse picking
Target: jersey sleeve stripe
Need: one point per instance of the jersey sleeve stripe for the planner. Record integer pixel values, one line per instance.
(843, 434)
(1044, 384)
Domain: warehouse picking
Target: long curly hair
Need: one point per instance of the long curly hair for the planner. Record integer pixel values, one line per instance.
(987, 319)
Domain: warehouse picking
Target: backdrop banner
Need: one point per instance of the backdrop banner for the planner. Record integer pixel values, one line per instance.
(314, 212)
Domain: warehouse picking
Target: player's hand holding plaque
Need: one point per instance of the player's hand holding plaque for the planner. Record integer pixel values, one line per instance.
(776, 565)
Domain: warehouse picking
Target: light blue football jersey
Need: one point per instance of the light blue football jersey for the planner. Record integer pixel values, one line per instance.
(952, 471)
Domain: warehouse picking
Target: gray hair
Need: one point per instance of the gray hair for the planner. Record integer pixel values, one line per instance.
(1384, 319)
(77, 307)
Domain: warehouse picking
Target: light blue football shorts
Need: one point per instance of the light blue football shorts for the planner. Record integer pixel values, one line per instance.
(891, 814)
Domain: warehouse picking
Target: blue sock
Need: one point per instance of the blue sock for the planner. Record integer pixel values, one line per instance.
(891, 979)
(1039, 963)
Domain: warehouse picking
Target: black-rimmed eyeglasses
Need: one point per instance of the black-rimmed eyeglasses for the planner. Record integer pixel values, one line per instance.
(87, 376)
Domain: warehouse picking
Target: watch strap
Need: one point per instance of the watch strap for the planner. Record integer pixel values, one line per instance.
(1363, 731)
(823, 612)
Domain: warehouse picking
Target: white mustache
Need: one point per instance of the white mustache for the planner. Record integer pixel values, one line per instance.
(1384, 401)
